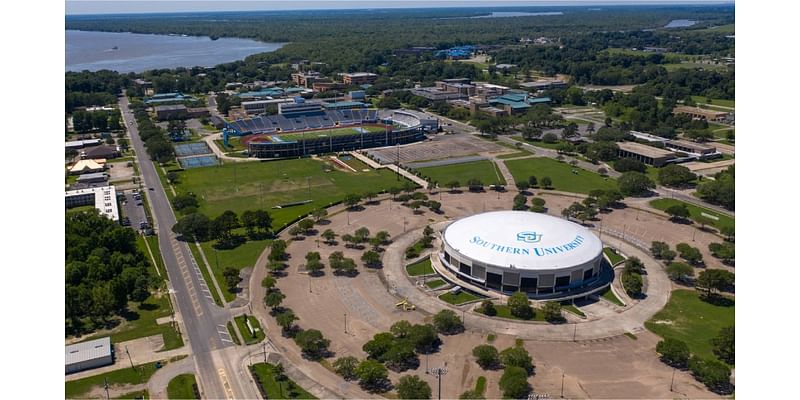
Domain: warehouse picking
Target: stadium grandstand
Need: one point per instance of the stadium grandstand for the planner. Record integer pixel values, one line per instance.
(277, 136)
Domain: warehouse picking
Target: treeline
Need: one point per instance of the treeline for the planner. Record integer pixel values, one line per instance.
(155, 138)
(84, 121)
(85, 89)
(104, 271)
(722, 190)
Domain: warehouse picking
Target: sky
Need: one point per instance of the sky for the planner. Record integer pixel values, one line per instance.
(126, 6)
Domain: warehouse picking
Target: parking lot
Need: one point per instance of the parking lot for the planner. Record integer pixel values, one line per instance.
(133, 209)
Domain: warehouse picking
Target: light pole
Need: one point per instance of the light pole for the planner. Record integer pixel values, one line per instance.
(562, 385)
(345, 322)
(672, 382)
(439, 372)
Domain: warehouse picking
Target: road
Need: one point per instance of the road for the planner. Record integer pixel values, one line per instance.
(218, 373)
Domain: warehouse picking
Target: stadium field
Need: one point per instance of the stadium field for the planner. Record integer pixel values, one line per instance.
(262, 185)
(329, 132)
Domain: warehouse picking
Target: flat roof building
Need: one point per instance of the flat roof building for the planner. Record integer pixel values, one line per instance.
(644, 153)
(648, 137)
(79, 144)
(306, 79)
(104, 151)
(696, 149)
(300, 107)
(172, 111)
(103, 198)
(359, 78)
(700, 113)
(87, 355)
(260, 106)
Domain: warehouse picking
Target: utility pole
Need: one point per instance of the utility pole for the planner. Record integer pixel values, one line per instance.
(105, 385)
(265, 352)
(345, 322)
(672, 382)
(398, 161)
(562, 385)
(439, 372)
(130, 359)
(575, 332)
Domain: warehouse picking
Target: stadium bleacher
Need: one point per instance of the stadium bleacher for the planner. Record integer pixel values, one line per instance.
(329, 119)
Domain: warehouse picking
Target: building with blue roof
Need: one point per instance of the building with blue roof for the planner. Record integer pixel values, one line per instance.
(168, 98)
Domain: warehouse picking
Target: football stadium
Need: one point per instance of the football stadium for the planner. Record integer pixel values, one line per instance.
(308, 127)
(508, 251)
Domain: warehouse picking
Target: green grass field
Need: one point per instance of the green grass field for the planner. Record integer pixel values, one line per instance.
(514, 155)
(612, 256)
(560, 173)
(275, 389)
(435, 283)
(610, 296)
(504, 312)
(695, 211)
(249, 339)
(329, 133)
(181, 387)
(460, 298)
(234, 144)
(206, 276)
(125, 376)
(483, 170)
(692, 65)
(714, 102)
(249, 186)
(242, 256)
(539, 143)
(422, 267)
(688, 318)
(232, 332)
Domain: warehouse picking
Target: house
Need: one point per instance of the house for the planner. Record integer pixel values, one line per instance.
(87, 166)
(104, 152)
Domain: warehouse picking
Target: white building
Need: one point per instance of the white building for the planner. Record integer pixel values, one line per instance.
(87, 355)
(103, 198)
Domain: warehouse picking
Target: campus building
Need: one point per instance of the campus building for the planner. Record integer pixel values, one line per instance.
(102, 198)
(359, 78)
(306, 79)
(647, 154)
(700, 113)
(511, 251)
(699, 150)
(86, 355)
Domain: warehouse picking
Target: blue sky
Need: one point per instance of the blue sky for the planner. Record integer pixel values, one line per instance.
(126, 6)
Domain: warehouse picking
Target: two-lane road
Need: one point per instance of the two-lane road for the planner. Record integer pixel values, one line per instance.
(204, 322)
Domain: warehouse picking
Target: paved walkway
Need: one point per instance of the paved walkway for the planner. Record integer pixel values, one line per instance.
(217, 152)
(392, 167)
(501, 165)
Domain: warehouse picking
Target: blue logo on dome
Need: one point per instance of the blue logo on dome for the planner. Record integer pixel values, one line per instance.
(529, 237)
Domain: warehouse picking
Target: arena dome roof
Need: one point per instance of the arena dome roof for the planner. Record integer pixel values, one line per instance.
(523, 240)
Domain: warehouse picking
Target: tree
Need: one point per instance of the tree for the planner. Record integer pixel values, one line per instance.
(263, 221)
(629, 164)
(312, 343)
(352, 200)
(690, 254)
(634, 264)
(273, 299)
(632, 282)
(523, 186)
(295, 231)
(602, 150)
(424, 338)
(514, 383)
(729, 232)
(447, 322)
(487, 308)
(517, 356)
(286, 321)
(724, 251)
(675, 175)
(268, 282)
(712, 281)
(194, 227)
(552, 311)
(361, 234)
(231, 276)
(401, 329)
(453, 185)
(677, 212)
(673, 352)
(547, 182)
(222, 227)
(319, 214)
(658, 248)
(184, 200)
(371, 259)
(329, 235)
(411, 387)
(519, 306)
(680, 272)
(723, 345)
(346, 367)
(550, 138)
(372, 375)
(532, 181)
(435, 206)
(712, 373)
(383, 237)
(634, 184)
(306, 225)
(486, 356)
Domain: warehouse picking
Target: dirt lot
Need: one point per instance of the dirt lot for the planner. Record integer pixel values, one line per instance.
(120, 171)
(442, 146)
(616, 367)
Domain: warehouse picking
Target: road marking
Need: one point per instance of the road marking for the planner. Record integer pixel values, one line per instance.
(226, 384)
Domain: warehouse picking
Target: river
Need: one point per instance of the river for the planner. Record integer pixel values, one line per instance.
(133, 52)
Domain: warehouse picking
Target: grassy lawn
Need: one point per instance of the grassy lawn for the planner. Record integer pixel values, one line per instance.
(539, 143)
(249, 186)
(560, 173)
(80, 209)
(234, 144)
(125, 376)
(714, 102)
(152, 243)
(462, 297)
(286, 389)
(695, 211)
(612, 256)
(514, 155)
(504, 312)
(248, 339)
(206, 276)
(232, 332)
(435, 283)
(610, 296)
(422, 267)
(355, 163)
(181, 387)
(242, 256)
(483, 170)
(692, 65)
(691, 320)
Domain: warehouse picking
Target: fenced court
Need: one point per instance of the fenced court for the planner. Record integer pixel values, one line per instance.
(198, 161)
(191, 149)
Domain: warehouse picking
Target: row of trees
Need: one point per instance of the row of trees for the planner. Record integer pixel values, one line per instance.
(198, 227)
(85, 121)
(713, 373)
(517, 363)
(155, 139)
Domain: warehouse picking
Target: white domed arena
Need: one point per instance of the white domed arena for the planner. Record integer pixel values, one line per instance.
(510, 251)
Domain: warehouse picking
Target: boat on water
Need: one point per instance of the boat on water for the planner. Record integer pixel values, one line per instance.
(115, 48)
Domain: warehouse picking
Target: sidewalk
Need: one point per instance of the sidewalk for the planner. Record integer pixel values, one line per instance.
(394, 168)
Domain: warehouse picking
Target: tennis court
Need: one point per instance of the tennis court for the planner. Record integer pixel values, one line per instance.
(199, 161)
(191, 149)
